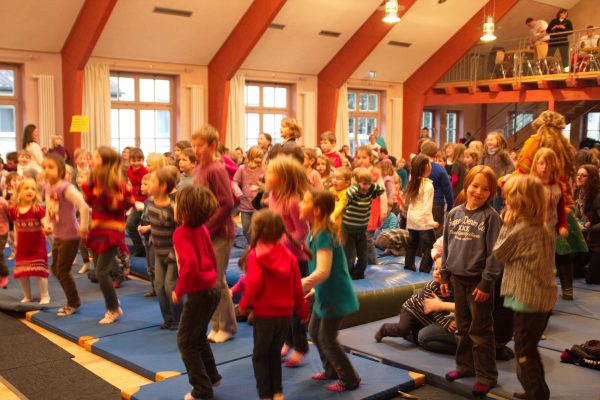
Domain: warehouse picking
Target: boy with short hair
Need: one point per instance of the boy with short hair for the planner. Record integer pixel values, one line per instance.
(328, 146)
(359, 198)
(342, 178)
(212, 174)
(135, 173)
(12, 159)
(187, 165)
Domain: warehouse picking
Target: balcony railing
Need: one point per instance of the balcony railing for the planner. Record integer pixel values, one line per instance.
(516, 58)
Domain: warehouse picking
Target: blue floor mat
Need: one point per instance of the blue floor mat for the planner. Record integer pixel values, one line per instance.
(585, 304)
(139, 313)
(379, 381)
(580, 284)
(565, 330)
(159, 356)
(566, 381)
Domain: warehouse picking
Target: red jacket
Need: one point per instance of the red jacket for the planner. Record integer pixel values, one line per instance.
(335, 158)
(195, 260)
(273, 286)
(135, 177)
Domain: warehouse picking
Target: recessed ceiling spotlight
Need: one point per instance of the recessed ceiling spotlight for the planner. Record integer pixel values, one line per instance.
(372, 74)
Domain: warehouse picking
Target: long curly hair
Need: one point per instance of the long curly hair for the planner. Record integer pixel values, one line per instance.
(549, 126)
(592, 188)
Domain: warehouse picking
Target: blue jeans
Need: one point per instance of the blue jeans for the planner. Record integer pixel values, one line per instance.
(165, 280)
(437, 339)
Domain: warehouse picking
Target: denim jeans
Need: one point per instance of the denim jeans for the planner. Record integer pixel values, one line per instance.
(269, 336)
(63, 255)
(165, 280)
(437, 339)
(131, 226)
(105, 264)
(427, 238)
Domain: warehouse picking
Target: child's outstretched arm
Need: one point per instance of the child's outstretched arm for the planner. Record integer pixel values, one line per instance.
(324, 260)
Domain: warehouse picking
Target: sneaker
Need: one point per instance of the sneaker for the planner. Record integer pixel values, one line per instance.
(44, 300)
(480, 389)
(339, 387)
(321, 376)
(66, 311)
(111, 317)
(3, 282)
(294, 360)
(84, 268)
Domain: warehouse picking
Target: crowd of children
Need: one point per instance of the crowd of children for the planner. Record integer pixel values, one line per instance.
(311, 216)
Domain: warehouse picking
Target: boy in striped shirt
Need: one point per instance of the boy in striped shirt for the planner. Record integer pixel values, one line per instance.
(359, 197)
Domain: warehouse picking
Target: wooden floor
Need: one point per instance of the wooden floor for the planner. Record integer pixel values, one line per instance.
(116, 375)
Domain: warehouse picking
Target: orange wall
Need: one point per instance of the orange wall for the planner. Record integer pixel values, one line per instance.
(36, 63)
(585, 13)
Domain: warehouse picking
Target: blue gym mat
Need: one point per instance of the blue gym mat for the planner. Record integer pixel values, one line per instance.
(585, 304)
(159, 357)
(379, 381)
(139, 313)
(566, 381)
(565, 330)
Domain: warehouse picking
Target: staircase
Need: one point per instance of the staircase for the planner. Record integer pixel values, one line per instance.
(571, 111)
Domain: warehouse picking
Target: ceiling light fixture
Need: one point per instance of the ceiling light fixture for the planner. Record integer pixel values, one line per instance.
(391, 12)
(488, 24)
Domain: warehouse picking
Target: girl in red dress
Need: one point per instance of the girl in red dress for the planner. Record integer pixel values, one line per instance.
(32, 257)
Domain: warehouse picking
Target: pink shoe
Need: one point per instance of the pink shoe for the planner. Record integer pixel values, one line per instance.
(320, 376)
(294, 360)
(3, 282)
(285, 350)
(336, 387)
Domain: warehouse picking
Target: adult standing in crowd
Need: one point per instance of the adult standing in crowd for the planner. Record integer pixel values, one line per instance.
(31, 138)
(539, 37)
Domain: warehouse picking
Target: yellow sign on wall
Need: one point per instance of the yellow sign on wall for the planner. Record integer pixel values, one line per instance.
(80, 123)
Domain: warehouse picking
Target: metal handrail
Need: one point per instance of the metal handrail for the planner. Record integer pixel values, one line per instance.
(475, 65)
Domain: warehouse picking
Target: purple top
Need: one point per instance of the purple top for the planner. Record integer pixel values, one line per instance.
(214, 176)
(61, 212)
(290, 212)
(245, 185)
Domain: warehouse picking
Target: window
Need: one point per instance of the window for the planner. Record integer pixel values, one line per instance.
(427, 120)
(266, 105)
(142, 112)
(593, 125)
(364, 112)
(567, 132)
(517, 120)
(451, 126)
(9, 107)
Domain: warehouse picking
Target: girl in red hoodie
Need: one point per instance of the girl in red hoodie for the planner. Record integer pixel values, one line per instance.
(273, 290)
(196, 263)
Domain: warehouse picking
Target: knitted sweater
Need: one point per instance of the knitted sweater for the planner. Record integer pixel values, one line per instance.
(528, 255)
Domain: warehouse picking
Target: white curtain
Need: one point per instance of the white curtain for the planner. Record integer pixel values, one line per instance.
(341, 122)
(309, 137)
(196, 107)
(46, 121)
(394, 135)
(96, 105)
(235, 133)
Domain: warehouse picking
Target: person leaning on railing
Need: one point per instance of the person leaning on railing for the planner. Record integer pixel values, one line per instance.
(559, 29)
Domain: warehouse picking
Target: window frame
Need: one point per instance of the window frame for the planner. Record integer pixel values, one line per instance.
(456, 129)
(354, 115)
(513, 126)
(262, 110)
(587, 126)
(15, 100)
(137, 105)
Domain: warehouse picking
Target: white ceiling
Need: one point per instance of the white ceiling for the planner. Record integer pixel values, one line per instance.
(298, 48)
(37, 25)
(135, 32)
(427, 25)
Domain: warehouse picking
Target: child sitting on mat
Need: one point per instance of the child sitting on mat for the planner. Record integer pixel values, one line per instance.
(197, 264)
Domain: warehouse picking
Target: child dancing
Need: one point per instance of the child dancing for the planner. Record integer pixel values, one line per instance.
(470, 232)
(526, 246)
(197, 265)
(273, 290)
(333, 291)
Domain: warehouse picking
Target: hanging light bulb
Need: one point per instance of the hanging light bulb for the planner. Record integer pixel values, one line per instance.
(488, 29)
(391, 12)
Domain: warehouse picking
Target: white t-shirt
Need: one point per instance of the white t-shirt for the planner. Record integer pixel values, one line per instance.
(539, 28)
(590, 41)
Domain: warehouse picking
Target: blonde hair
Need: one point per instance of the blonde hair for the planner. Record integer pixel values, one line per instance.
(548, 155)
(295, 127)
(477, 145)
(549, 126)
(474, 154)
(526, 198)
(502, 144)
(18, 194)
(344, 173)
(361, 174)
(291, 175)
(386, 167)
(156, 160)
(253, 153)
(208, 133)
(108, 176)
(459, 152)
(80, 152)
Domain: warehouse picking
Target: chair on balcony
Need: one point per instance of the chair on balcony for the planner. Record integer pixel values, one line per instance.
(542, 64)
(501, 66)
